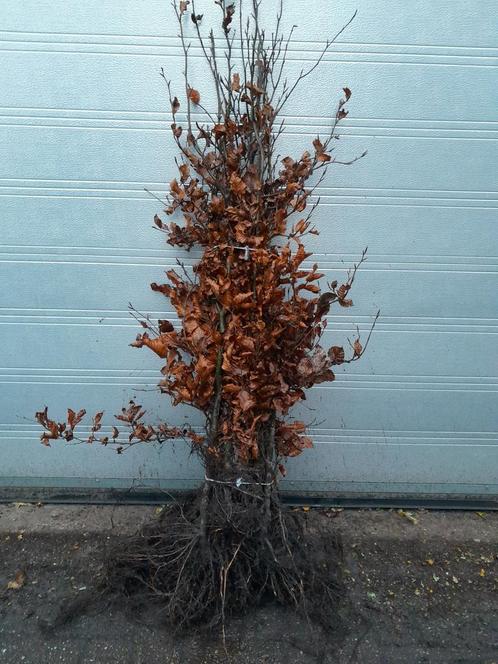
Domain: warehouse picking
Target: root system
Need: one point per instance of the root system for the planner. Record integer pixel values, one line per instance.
(201, 573)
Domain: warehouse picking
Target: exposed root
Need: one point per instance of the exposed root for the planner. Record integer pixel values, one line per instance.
(203, 569)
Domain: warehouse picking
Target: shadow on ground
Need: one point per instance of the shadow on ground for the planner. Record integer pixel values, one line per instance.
(420, 590)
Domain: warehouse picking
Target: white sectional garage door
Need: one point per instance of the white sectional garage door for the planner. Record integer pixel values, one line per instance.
(84, 127)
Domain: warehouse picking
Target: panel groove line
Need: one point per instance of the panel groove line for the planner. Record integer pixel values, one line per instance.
(42, 184)
(360, 197)
(318, 45)
(164, 116)
(336, 321)
(335, 204)
(166, 255)
(325, 267)
(389, 60)
(299, 50)
(74, 36)
(140, 377)
(351, 129)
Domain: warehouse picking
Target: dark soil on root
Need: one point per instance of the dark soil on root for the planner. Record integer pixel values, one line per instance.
(202, 578)
(412, 601)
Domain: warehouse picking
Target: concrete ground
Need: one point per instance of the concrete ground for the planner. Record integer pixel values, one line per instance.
(422, 588)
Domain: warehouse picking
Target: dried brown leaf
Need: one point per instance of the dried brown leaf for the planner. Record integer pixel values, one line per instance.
(237, 185)
(245, 400)
(336, 354)
(74, 418)
(235, 85)
(194, 95)
(18, 582)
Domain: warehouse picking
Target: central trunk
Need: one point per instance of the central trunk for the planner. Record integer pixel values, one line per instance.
(246, 485)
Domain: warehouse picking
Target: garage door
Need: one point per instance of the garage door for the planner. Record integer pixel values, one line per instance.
(83, 127)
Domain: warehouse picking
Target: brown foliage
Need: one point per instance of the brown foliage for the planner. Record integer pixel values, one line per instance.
(253, 312)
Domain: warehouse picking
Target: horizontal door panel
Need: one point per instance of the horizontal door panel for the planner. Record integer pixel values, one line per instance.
(428, 89)
(408, 406)
(449, 22)
(364, 464)
(74, 162)
(398, 352)
(89, 225)
(70, 284)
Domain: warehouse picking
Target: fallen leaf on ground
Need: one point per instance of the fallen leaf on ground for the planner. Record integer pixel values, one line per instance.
(333, 512)
(409, 516)
(306, 509)
(430, 562)
(482, 572)
(18, 582)
(481, 514)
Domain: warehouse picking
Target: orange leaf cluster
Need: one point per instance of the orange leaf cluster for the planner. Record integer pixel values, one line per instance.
(253, 315)
(138, 432)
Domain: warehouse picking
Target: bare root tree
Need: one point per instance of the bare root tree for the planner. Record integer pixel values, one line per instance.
(252, 316)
